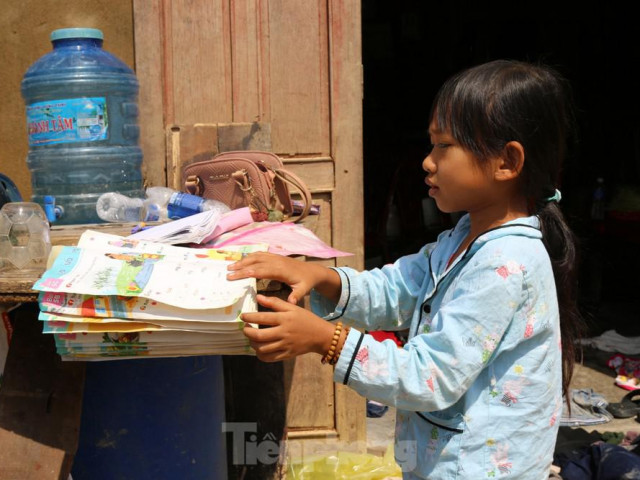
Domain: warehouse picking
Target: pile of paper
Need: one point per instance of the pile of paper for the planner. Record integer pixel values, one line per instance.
(114, 297)
(198, 228)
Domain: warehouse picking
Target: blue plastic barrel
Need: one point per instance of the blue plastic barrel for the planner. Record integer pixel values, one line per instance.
(155, 419)
(82, 124)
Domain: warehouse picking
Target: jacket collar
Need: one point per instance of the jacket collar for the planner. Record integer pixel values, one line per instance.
(524, 227)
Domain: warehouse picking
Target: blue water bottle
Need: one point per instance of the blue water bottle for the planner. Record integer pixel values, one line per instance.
(82, 124)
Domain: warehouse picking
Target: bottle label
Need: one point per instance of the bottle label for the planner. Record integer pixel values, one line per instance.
(183, 205)
(67, 120)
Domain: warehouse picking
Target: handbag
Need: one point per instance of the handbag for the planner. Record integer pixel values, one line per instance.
(248, 178)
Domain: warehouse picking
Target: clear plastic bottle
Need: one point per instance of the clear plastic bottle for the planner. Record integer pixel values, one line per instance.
(24, 239)
(161, 203)
(82, 124)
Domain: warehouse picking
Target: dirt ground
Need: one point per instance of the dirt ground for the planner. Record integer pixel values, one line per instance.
(594, 373)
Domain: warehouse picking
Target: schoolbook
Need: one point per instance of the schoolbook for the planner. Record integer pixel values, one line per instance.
(112, 297)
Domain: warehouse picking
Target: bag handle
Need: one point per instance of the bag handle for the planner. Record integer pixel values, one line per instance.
(295, 181)
(193, 185)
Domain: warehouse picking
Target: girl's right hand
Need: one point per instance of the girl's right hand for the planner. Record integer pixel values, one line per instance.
(299, 275)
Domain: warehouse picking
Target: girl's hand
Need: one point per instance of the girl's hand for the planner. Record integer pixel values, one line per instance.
(299, 275)
(293, 331)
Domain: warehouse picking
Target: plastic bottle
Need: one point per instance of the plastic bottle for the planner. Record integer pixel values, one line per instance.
(24, 238)
(82, 121)
(162, 203)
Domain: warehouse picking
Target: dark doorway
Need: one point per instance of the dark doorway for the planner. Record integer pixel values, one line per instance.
(411, 47)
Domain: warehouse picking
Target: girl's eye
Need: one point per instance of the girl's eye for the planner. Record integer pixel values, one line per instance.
(438, 146)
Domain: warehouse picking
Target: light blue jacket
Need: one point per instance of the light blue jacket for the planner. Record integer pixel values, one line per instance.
(477, 386)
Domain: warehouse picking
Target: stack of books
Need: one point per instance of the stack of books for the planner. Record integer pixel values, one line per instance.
(113, 297)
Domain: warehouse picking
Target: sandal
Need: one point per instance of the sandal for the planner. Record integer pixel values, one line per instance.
(627, 407)
(628, 383)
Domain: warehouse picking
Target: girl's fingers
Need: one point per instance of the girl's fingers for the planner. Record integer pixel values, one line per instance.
(267, 319)
(271, 356)
(293, 299)
(274, 303)
(257, 265)
(261, 335)
(247, 260)
(265, 348)
(244, 272)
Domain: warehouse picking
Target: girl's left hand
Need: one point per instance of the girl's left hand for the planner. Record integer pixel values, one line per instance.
(292, 331)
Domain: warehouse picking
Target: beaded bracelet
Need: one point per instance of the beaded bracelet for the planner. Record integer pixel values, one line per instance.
(334, 360)
(334, 343)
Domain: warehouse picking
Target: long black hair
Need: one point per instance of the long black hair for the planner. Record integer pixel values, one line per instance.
(487, 106)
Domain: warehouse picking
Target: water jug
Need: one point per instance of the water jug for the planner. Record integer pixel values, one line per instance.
(82, 124)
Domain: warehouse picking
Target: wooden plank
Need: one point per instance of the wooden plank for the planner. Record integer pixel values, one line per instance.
(15, 287)
(351, 420)
(298, 63)
(192, 143)
(187, 144)
(40, 404)
(321, 224)
(345, 57)
(346, 129)
(244, 136)
(318, 176)
(149, 71)
(249, 37)
(309, 394)
(200, 62)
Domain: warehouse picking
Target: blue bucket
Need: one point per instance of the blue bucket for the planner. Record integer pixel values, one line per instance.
(153, 419)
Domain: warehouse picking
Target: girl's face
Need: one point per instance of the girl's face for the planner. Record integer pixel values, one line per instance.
(457, 181)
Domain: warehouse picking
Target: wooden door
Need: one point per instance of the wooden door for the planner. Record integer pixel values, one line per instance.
(294, 67)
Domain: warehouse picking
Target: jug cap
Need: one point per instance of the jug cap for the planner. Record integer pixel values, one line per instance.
(63, 33)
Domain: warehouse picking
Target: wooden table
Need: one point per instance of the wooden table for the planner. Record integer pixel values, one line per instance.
(41, 396)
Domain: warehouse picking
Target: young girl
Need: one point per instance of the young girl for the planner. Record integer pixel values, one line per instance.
(490, 306)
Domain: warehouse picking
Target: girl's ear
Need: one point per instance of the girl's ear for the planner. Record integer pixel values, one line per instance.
(511, 161)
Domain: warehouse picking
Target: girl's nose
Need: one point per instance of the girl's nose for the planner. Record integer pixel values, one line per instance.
(428, 165)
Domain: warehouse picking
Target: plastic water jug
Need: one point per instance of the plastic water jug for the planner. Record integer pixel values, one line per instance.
(82, 123)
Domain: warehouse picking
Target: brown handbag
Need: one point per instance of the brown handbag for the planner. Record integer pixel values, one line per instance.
(248, 178)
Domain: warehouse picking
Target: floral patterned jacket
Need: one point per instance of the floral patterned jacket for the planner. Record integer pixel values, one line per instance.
(477, 386)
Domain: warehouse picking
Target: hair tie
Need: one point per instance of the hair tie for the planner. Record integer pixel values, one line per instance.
(557, 196)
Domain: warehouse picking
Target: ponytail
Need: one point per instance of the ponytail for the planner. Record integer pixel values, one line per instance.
(561, 244)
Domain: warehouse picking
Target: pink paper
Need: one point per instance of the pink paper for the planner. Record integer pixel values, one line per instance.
(230, 221)
(283, 238)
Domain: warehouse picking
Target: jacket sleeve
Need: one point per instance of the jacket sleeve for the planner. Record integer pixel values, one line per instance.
(433, 370)
(378, 299)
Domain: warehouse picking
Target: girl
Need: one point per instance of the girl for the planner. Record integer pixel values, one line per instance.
(490, 306)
